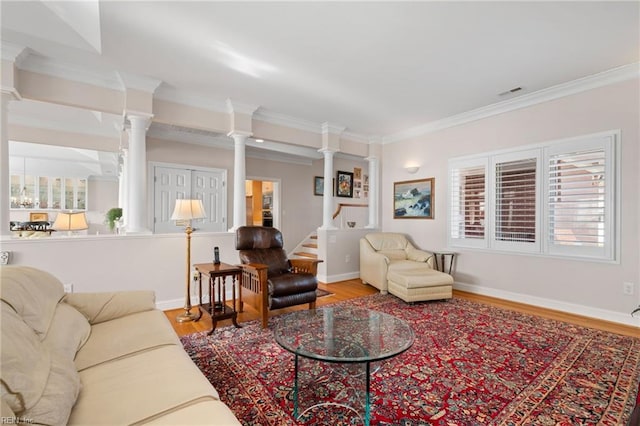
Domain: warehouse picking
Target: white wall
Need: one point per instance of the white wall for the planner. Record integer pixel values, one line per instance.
(131, 262)
(589, 288)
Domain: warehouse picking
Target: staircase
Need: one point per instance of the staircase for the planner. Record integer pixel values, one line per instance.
(307, 248)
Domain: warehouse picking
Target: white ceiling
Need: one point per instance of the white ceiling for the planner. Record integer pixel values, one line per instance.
(377, 68)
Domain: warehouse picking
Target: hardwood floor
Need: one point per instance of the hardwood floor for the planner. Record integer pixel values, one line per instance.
(354, 288)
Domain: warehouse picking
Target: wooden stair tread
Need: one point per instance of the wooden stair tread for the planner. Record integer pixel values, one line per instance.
(309, 255)
(314, 237)
(310, 245)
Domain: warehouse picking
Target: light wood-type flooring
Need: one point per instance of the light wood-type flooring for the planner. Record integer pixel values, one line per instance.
(354, 288)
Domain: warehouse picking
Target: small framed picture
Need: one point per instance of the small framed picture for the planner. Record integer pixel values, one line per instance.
(344, 186)
(413, 199)
(318, 185)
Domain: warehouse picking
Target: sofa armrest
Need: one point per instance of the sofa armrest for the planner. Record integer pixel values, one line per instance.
(373, 266)
(101, 307)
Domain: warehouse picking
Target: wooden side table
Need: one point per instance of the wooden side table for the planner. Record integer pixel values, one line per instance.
(217, 305)
(442, 254)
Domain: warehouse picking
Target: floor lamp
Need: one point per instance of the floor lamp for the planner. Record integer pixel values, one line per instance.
(184, 212)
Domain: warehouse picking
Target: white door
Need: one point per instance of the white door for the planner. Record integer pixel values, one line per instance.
(171, 183)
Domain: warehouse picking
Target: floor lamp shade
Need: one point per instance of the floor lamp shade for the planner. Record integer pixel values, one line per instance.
(70, 221)
(186, 211)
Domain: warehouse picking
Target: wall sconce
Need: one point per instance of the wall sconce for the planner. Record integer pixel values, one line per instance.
(412, 169)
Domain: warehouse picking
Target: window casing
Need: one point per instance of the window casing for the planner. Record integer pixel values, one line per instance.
(557, 198)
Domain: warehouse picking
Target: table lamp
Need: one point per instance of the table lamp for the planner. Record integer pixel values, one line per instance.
(185, 211)
(70, 221)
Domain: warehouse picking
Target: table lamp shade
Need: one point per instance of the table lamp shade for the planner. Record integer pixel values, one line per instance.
(188, 210)
(70, 221)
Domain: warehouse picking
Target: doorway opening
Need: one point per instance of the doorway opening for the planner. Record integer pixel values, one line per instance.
(263, 202)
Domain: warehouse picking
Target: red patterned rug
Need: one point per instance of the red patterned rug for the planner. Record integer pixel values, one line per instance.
(470, 364)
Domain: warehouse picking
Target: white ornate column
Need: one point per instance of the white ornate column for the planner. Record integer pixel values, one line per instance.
(327, 197)
(123, 188)
(375, 154)
(239, 177)
(5, 205)
(136, 175)
(10, 55)
(373, 192)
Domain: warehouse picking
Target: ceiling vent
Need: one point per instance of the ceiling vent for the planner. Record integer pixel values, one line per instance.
(509, 92)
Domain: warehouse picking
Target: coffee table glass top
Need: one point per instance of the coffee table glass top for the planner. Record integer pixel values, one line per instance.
(344, 334)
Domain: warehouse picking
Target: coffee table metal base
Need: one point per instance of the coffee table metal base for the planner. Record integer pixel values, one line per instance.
(298, 414)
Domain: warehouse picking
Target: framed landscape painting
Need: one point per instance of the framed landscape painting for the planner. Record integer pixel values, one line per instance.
(413, 199)
(345, 184)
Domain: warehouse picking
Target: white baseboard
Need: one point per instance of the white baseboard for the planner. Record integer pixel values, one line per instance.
(328, 279)
(165, 305)
(587, 311)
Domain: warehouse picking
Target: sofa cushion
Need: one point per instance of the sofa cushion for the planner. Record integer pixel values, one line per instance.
(33, 294)
(124, 391)
(24, 363)
(59, 395)
(416, 275)
(124, 337)
(69, 330)
(202, 412)
(394, 254)
(100, 307)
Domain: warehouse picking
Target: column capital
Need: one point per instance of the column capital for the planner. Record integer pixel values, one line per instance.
(141, 118)
(327, 151)
(239, 134)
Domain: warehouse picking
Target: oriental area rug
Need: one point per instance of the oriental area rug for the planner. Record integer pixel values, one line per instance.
(470, 364)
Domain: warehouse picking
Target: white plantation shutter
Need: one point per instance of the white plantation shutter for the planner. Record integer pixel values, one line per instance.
(467, 181)
(515, 198)
(580, 198)
(515, 205)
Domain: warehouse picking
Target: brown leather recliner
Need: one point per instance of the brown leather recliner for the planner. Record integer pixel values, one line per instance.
(269, 279)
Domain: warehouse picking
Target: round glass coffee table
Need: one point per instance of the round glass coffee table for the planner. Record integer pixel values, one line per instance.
(344, 336)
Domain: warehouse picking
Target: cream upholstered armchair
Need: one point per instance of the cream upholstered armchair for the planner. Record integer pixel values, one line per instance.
(389, 262)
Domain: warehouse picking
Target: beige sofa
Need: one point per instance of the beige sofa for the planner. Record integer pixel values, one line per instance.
(99, 358)
(389, 262)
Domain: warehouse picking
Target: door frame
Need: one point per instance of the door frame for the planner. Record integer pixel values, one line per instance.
(277, 190)
(151, 165)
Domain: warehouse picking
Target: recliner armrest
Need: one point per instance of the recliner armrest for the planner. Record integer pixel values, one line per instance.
(305, 265)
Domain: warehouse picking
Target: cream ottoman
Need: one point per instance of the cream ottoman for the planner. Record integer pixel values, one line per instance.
(416, 282)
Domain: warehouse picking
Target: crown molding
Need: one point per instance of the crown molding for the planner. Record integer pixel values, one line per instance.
(334, 129)
(287, 121)
(170, 94)
(41, 65)
(13, 53)
(21, 120)
(138, 82)
(594, 81)
(238, 107)
(357, 137)
(216, 140)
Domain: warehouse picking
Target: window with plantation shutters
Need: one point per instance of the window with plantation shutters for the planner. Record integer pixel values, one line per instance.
(580, 198)
(468, 202)
(556, 198)
(515, 206)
